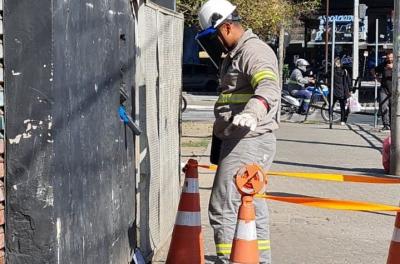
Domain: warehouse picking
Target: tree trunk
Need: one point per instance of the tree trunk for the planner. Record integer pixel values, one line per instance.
(281, 52)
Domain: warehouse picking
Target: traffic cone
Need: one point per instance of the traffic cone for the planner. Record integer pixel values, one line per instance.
(245, 245)
(187, 245)
(394, 250)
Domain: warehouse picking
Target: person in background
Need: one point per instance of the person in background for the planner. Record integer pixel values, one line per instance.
(384, 70)
(298, 83)
(341, 91)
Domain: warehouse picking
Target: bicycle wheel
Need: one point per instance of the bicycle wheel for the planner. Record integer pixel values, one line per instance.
(286, 111)
(325, 112)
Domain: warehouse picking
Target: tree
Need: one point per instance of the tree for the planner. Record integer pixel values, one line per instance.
(265, 17)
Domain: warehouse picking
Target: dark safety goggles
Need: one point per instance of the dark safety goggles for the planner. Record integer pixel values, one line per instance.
(209, 42)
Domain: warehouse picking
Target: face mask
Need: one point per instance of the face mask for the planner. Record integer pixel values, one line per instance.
(210, 43)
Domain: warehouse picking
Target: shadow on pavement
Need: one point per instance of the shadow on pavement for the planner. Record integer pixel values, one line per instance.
(362, 132)
(194, 156)
(371, 172)
(323, 143)
(195, 136)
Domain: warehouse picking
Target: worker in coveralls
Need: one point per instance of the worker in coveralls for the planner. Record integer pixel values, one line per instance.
(246, 117)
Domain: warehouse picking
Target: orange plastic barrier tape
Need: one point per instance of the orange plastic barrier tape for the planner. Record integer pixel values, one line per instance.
(325, 176)
(332, 204)
(209, 167)
(336, 177)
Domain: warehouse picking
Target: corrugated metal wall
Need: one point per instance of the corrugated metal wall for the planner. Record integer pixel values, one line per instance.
(161, 38)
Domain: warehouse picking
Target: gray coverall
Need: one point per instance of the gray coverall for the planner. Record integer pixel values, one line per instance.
(250, 69)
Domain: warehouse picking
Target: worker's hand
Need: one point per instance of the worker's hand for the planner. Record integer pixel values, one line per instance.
(245, 120)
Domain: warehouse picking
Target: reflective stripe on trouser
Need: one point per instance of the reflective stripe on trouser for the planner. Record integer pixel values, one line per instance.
(225, 249)
(225, 199)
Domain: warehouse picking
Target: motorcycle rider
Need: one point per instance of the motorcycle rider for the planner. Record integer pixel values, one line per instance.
(298, 83)
(246, 118)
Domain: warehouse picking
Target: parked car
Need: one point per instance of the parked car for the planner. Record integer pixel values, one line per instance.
(201, 78)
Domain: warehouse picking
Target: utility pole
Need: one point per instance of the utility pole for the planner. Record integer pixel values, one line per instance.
(395, 146)
(327, 37)
(356, 34)
(331, 106)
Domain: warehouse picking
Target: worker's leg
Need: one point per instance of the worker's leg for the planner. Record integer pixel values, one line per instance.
(225, 199)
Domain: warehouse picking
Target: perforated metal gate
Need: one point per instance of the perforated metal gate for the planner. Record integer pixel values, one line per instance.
(161, 37)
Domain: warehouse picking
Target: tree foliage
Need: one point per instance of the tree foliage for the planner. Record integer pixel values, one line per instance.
(265, 17)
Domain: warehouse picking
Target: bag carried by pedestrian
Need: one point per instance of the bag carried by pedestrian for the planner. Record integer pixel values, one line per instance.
(353, 105)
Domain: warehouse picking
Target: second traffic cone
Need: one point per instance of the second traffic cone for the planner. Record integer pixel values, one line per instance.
(187, 245)
(245, 245)
(394, 250)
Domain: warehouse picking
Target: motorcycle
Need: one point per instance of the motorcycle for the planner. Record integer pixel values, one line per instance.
(290, 104)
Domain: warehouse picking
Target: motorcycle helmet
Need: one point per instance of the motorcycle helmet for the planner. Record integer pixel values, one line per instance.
(302, 64)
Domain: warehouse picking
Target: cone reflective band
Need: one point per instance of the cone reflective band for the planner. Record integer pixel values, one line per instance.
(394, 250)
(187, 245)
(245, 244)
(209, 42)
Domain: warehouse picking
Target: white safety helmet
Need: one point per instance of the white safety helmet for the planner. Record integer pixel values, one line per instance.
(214, 12)
(302, 64)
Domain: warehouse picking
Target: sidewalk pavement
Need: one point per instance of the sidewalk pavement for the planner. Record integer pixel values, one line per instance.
(302, 234)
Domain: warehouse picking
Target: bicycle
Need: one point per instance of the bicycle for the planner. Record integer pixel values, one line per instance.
(320, 99)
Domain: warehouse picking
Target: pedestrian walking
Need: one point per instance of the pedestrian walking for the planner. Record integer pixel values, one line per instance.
(385, 71)
(246, 117)
(341, 91)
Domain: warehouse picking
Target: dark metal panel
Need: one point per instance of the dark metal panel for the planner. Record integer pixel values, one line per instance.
(29, 102)
(70, 182)
(170, 4)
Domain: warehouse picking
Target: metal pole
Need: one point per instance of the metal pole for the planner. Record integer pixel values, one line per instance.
(356, 33)
(395, 146)
(327, 37)
(376, 81)
(331, 106)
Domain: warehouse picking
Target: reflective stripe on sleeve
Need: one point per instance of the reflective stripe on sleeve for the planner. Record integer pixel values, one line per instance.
(234, 98)
(261, 75)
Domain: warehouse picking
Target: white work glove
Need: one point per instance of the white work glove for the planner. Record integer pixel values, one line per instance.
(245, 120)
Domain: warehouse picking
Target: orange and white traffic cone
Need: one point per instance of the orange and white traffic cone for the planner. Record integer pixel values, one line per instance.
(245, 245)
(187, 245)
(394, 250)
